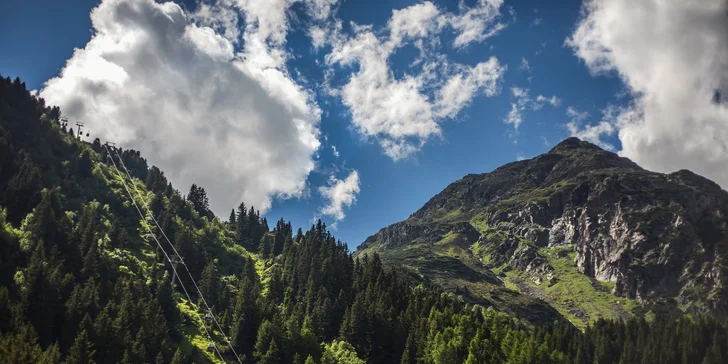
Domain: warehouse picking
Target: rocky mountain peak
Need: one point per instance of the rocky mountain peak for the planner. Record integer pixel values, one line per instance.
(576, 213)
(573, 143)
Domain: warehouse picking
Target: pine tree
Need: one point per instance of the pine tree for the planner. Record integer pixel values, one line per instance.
(81, 351)
(265, 248)
(242, 224)
(408, 356)
(209, 284)
(198, 197)
(84, 165)
(272, 355)
(23, 189)
(265, 338)
(179, 357)
(246, 316)
(231, 219)
(716, 352)
(106, 351)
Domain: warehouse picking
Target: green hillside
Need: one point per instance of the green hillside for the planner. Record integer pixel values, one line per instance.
(81, 282)
(578, 229)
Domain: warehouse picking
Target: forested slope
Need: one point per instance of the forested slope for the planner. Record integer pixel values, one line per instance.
(80, 281)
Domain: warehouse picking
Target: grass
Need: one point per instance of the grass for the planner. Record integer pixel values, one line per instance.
(450, 215)
(192, 333)
(536, 194)
(480, 222)
(448, 238)
(577, 297)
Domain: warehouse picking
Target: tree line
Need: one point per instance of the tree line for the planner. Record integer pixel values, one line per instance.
(80, 283)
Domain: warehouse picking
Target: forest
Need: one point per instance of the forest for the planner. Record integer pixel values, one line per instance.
(91, 238)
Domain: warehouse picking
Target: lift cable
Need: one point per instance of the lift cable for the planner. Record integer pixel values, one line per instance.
(131, 196)
(199, 292)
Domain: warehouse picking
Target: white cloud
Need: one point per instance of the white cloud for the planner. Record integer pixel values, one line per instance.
(514, 116)
(334, 151)
(523, 101)
(339, 194)
(576, 115)
(157, 79)
(673, 56)
(318, 36)
(320, 9)
(460, 88)
(477, 23)
(545, 142)
(402, 113)
(541, 99)
(536, 22)
(520, 157)
(416, 21)
(591, 132)
(524, 65)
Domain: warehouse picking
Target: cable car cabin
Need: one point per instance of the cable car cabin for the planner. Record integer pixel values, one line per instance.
(150, 236)
(208, 316)
(210, 347)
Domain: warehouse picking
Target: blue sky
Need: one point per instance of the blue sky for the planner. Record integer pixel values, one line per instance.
(260, 124)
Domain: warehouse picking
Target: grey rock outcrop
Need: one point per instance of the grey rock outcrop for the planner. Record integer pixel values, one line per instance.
(657, 237)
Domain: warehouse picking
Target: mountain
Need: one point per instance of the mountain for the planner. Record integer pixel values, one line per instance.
(589, 232)
(89, 234)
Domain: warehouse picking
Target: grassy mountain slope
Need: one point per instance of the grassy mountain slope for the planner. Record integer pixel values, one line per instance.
(583, 229)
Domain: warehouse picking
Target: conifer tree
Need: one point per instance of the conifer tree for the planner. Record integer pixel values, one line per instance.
(266, 336)
(272, 355)
(179, 357)
(23, 189)
(209, 284)
(231, 219)
(198, 197)
(81, 351)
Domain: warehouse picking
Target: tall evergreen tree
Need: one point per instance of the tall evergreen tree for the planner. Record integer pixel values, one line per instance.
(198, 197)
(81, 351)
(231, 219)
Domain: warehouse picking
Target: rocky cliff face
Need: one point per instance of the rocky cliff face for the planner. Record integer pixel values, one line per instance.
(577, 226)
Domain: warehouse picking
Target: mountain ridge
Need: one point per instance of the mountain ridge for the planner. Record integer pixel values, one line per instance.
(654, 241)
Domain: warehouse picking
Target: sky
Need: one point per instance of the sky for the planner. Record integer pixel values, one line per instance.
(357, 112)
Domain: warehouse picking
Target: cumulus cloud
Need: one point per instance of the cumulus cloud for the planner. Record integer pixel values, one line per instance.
(339, 194)
(673, 57)
(523, 102)
(591, 132)
(477, 23)
(402, 113)
(171, 84)
(334, 151)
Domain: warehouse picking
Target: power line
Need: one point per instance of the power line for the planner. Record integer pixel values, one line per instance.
(183, 263)
(199, 292)
(174, 269)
